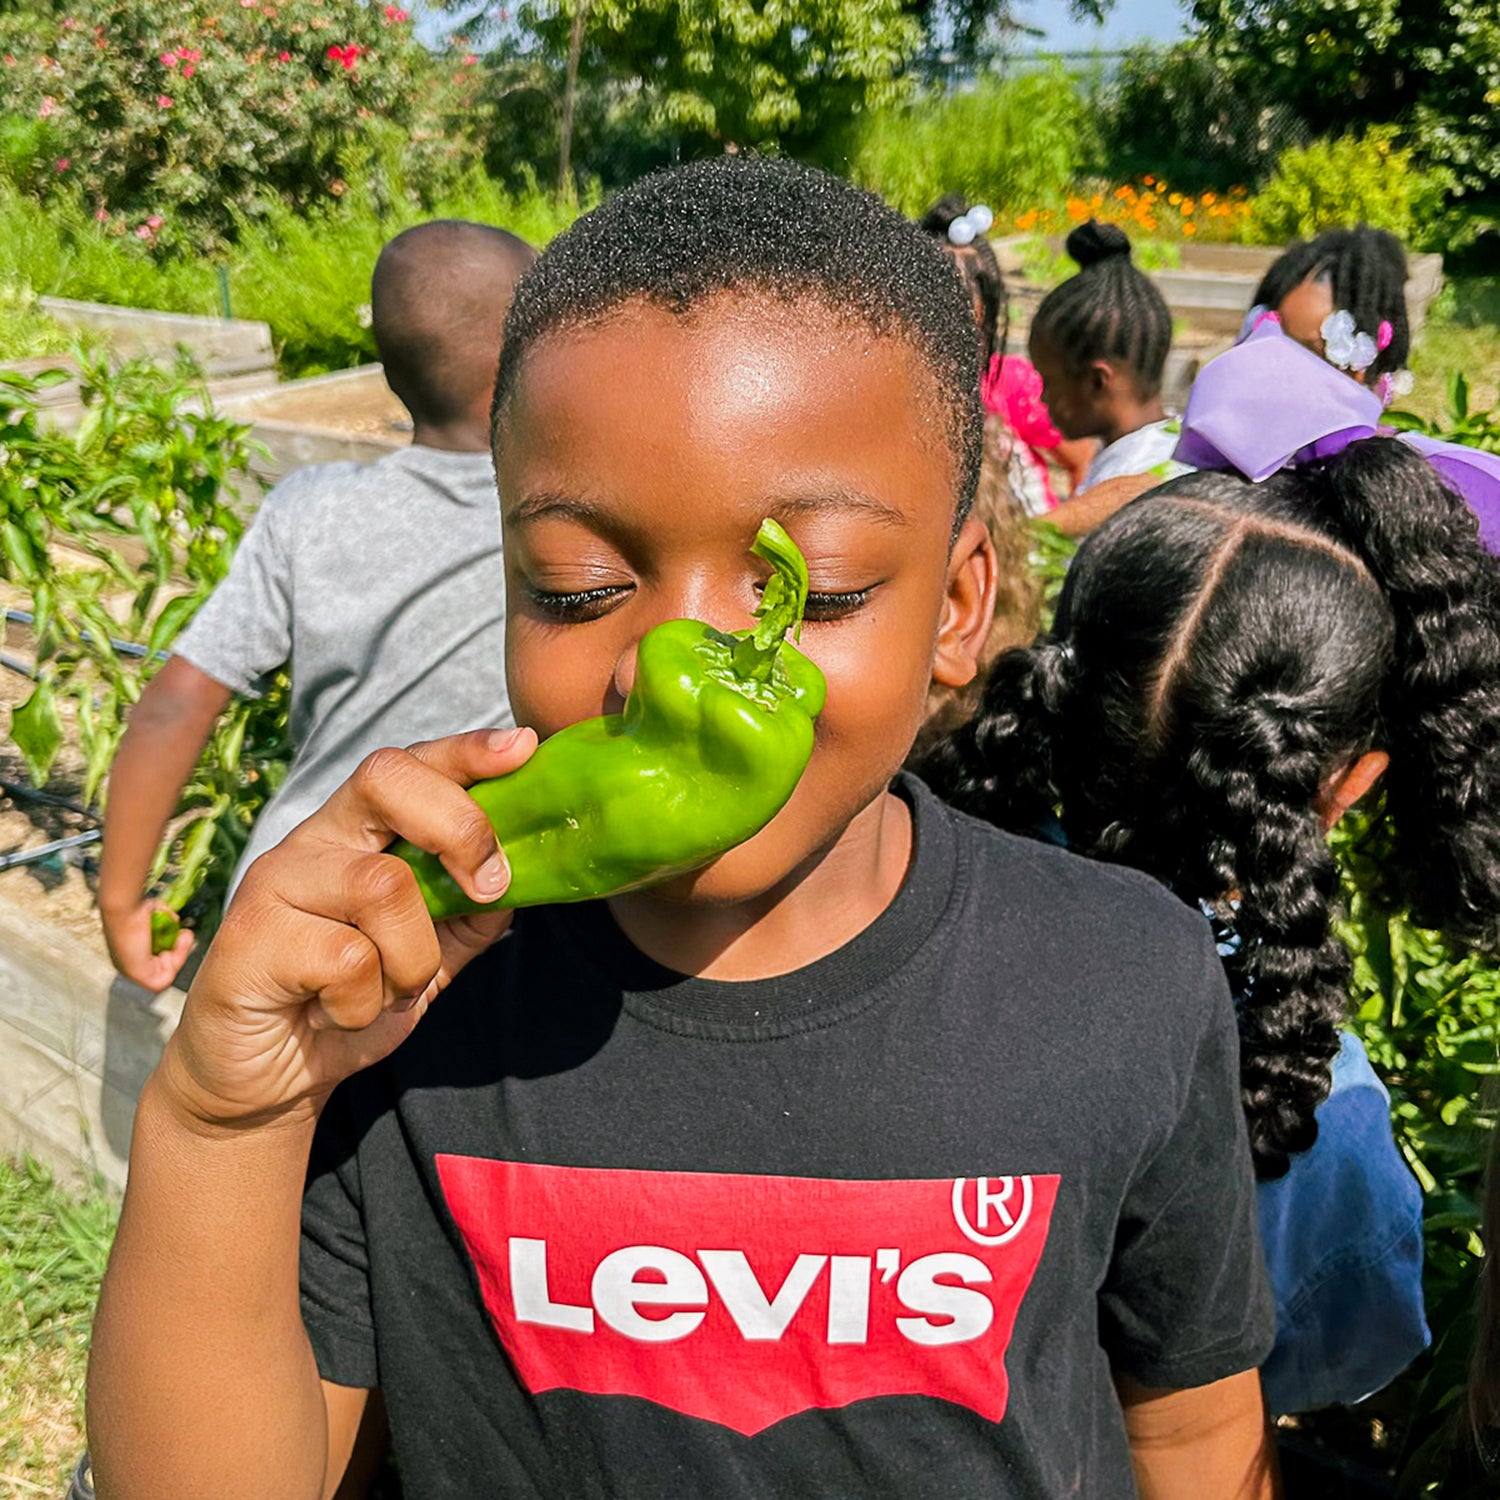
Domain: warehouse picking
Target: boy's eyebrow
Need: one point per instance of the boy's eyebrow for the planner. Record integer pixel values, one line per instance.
(870, 505)
(573, 508)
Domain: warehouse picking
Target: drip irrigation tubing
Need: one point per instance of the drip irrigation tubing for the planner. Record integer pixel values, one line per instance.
(125, 648)
(50, 799)
(45, 851)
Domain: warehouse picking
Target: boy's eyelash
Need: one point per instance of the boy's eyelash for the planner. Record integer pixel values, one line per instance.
(821, 606)
(584, 604)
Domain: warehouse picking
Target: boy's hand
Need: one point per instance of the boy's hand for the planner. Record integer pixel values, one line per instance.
(327, 959)
(128, 933)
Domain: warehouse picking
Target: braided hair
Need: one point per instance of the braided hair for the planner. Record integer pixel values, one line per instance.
(983, 279)
(1365, 270)
(1110, 310)
(1221, 651)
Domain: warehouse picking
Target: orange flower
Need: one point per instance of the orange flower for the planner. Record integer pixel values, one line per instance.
(1174, 199)
(1027, 220)
(1190, 229)
(1078, 209)
(1187, 208)
(1096, 202)
(1209, 199)
(1148, 223)
(1149, 181)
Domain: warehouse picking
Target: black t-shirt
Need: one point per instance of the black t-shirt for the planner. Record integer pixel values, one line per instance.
(879, 1227)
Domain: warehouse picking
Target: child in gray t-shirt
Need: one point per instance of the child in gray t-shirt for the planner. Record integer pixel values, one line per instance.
(381, 585)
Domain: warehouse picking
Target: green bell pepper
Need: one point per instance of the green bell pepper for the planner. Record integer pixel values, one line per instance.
(715, 734)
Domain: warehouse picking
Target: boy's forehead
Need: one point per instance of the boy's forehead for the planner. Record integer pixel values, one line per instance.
(788, 392)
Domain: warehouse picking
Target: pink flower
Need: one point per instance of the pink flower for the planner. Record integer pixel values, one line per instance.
(395, 15)
(102, 215)
(470, 60)
(142, 233)
(347, 57)
(155, 222)
(63, 163)
(10, 59)
(169, 59)
(283, 57)
(188, 69)
(48, 109)
(164, 101)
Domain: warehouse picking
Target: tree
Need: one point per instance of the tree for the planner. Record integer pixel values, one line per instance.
(1431, 66)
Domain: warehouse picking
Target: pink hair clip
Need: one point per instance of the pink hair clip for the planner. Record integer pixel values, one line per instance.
(1383, 336)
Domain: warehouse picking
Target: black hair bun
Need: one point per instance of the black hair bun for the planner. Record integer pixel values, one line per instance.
(1094, 242)
(949, 207)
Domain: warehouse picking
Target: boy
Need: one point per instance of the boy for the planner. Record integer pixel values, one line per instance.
(379, 583)
(833, 1168)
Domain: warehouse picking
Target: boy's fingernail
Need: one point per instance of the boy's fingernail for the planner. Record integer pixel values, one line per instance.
(493, 875)
(503, 739)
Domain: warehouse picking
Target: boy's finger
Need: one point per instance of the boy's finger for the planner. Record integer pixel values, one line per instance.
(372, 895)
(395, 794)
(479, 754)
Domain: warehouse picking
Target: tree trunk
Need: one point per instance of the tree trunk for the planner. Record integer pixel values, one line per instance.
(570, 99)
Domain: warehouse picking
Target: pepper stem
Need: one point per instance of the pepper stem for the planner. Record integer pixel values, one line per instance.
(781, 605)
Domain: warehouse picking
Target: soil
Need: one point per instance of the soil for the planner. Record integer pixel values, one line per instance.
(60, 888)
(362, 408)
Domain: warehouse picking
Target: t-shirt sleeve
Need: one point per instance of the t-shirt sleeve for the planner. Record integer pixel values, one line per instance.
(1186, 1300)
(243, 632)
(335, 1266)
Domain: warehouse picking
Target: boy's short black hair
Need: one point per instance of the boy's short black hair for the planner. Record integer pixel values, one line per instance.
(755, 225)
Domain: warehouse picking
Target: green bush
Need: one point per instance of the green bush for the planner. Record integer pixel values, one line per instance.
(1350, 179)
(174, 124)
(1183, 115)
(150, 460)
(1013, 143)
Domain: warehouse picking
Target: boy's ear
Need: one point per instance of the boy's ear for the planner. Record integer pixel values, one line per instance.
(1347, 786)
(968, 607)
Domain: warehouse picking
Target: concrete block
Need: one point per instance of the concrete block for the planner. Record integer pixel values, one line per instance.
(228, 346)
(77, 1044)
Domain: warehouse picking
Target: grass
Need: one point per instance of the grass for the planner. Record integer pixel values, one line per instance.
(53, 1245)
(307, 275)
(1462, 333)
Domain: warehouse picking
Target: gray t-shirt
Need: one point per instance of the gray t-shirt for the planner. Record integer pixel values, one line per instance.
(383, 586)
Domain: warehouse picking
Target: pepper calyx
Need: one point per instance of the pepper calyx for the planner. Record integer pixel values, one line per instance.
(781, 606)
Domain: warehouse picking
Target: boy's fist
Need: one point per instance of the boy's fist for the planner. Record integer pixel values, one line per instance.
(327, 958)
(128, 933)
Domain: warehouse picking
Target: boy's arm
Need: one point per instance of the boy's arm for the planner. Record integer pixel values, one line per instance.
(167, 731)
(202, 1380)
(1213, 1440)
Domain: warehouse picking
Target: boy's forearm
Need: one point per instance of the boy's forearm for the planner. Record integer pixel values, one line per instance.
(167, 731)
(202, 1380)
(1212, 1440)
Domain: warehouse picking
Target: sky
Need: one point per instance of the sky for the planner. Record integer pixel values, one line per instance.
(1128, 21)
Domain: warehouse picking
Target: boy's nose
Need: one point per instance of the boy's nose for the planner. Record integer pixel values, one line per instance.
(624, 679)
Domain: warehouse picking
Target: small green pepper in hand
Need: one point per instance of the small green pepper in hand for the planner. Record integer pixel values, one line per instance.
(715, 735)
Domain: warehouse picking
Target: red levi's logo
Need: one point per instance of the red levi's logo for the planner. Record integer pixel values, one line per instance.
(744, 1300)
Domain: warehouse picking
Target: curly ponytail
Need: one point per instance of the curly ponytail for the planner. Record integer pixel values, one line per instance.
(1247, 826)
(1441, 707)
(1224, 664)
(998, 765)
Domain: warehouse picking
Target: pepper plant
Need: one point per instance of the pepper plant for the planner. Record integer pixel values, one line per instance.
(115, 533)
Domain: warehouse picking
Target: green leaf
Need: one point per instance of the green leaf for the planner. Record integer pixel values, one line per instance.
(174, 615)
(19, 554)
(37, 731)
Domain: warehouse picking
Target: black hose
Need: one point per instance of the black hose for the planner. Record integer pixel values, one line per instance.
(50, 799)
(42, 851)
(125, 648)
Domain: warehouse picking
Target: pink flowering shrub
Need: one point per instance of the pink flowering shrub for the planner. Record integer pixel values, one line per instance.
(178, 122)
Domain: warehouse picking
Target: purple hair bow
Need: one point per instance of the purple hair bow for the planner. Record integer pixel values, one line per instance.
(1270, 402)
